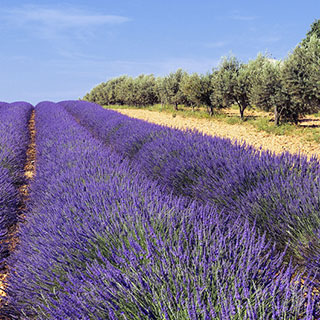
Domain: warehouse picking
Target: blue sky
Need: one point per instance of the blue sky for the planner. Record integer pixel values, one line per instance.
(57, 50)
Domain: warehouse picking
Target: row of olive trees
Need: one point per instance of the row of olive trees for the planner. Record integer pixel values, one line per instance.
(126, 90)
(289, 88)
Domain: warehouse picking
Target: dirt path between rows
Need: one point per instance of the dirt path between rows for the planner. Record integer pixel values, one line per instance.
(252, 136)
(29, 168)
(29, 171)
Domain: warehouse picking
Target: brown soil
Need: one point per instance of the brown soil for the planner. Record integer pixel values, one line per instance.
(277, 144)
(309, 121)
(29, 168)
(29, 171)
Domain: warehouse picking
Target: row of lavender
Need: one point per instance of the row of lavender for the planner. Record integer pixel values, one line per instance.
(280, 193)
(14, 140)
(102, 241)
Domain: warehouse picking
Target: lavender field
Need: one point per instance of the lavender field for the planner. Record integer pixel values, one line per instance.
(129, 220)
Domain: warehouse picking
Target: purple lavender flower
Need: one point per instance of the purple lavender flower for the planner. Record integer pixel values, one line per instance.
(102, 240)
(277, 193)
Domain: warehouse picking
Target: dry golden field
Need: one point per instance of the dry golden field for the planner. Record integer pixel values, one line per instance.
(249, 134)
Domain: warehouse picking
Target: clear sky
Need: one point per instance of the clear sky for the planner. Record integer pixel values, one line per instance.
(57, 50)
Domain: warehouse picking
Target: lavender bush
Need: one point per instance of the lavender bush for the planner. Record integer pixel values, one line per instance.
(14, 139)
(279, 193)
(103, 241)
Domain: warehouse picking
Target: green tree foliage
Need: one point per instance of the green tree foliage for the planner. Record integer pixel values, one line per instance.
(242, 89)
(145, 90)
(97, 94)
(191, 89)
(113, 95)
(196, 90)
(267, 92)
(161, 90)
(232, 84)
(124, 90)
(301, 79)
(172, 88)
(290, 88)
(260, 89)
(216, 88)
(207, 92)
(314, 31)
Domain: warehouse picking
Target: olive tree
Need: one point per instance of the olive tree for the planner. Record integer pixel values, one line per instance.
(145, 90)
(207, 92)
(171, 86)
(301, 79)
(267, 91)
(313, 32)
(191, 89)
(231, 84)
